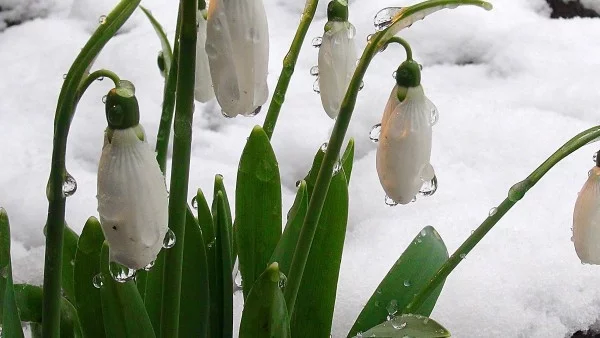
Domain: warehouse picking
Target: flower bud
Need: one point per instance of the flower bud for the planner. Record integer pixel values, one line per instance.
(237, 46)
(586, 220)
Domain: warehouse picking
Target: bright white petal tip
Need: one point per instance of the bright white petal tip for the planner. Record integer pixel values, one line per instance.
(337, 61)
(203, 90)
(586, 220)
(237, 46)
(404, 147)
(132, 200)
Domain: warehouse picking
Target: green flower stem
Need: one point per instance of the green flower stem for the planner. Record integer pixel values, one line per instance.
(97, 75)
(515, 193)
(65, 110)
(404, 44)
(289, 63)
(182, 144)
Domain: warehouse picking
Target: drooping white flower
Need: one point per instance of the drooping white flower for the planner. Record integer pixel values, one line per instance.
(237, 46)
(203, 90)
(586, 220)
(337, 61)
(404, 148)
(132, 198)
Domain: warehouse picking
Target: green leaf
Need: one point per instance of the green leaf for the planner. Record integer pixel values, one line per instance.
(411, 272)
(287, 244)
(348, 159)
(167, 52)
(205, 219)
(68, 259)
(11, 323)
(29, 302)
(220, 186)
(122, 306)
(154, 288)
(87, 266)
(265, 313)
(195, 306)
(313, 311)
(408, 326)
(257, 207)
(224, 280)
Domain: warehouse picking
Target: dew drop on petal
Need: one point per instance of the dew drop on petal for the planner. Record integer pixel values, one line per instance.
(169, 240)
(104, 99)
(434, 115)
(316, 42)
(414, 199)
(384, 18)
(389, 201)
(69, 185)
(226, 115)
(120, 273)
(255, 111)
(316, 87)
(314, 71)
(98, 281)
(429, 187)
(493, 211)
(102, 19)
(427, 172)
(149, 266)
(375, 132)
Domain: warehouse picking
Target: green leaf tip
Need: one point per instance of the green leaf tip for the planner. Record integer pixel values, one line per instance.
(3, 213)
(273, 271)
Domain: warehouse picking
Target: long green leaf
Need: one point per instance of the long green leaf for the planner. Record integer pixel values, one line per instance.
(313, 311)
(11, 323)
(287, 244)
(408, 326)
(167, 52)
(348, 159)
(257, 207)
(123, 310)
(68, 261)
(195, 306)
(224, 280)
(220, 186)
(87, 266)
(265, 313)
(411, 272)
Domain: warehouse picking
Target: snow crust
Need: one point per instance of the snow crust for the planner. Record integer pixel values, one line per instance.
(511, 87)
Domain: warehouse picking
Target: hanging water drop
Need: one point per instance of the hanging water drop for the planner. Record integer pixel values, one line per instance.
(195, 202)
(369, 37)
(384, 18)
(392, 307)
(394, 74)
(149, 266)
(595, 157)
(406, 283)
(314, 71)
(375, 132)
(98, 281)
(226, 115)
(423, 233)
(324, 147)
(169, 240)
(389, 201)
(399, 325)
(100, 78)
(69, 185)
(435, 116)
(104, 99)
(255, 111)
(102, 19)
(493, 211)
(316, 87)
(316, 42)
(429, 187)
(282, 280)
(463, 255)
(362, 85)
(120, 273)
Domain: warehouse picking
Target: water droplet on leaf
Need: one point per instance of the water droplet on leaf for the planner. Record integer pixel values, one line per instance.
(389, 201)
(149, 266)
(493, 211)
(392, 307)
(102, 19)
(120, 273)
(169, 240)
(98, 281)
(429, 187)
(195, 202)
(406, 283)
(384, 18)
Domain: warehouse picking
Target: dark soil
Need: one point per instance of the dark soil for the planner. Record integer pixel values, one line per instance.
(571, 9)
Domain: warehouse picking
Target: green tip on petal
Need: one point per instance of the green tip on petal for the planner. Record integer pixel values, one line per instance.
(337, 10)
(122, 110)
(408, 74)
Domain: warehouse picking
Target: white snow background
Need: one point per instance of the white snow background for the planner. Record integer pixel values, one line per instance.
(511, 86)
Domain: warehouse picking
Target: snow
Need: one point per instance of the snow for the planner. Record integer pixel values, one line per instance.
(511, 86)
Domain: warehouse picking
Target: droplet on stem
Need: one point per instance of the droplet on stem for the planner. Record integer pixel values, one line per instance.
(316, 42)
(69, 185)
(493, 211)
(314, 71)
(102, 19)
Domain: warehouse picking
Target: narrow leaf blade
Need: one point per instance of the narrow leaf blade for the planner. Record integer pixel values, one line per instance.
(11, 322)
(164, 41)
(348, 159)
(408, 326)
(224, 279)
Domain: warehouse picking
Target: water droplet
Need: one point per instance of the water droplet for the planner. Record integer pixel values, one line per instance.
(394, 74)
(589, 173)
(463, 255)
(362, 85)
(389, 201)
(104, 99)
(379, 291)
(120, 273)
(255, 111)
(595, 157)
(517, 191)
(427, 172)
(149, 266)
(406, 283)
(392, 307)
(398, 325)
(383, 19)
(169, 240)
(226, 115)
(316, 87)
(282, 280)
(102, 19)
(375, 132)
(324, 147)
(100, 78)
(316, 42)
(195, 202)
(377, 304)
(69, 185)
(423, 233)
(98, 281)
(64, 76)
(314, 71)
(493, 211)
(435, 116)
(429, 187)
(414, 199)
(337, 167)
(425, 320)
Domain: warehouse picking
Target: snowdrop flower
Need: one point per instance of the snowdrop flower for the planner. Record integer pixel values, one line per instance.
(237, 45)
(586, 220)
(404, 147)
(132, 196)
(203, 90)
(337, 57)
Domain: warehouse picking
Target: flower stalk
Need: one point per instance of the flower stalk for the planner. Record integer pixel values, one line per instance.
(515, 193)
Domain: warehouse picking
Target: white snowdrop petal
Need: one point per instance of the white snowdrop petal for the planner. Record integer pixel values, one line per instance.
(132, 200)
(586, 220)
(203, 90)
(404, 147)
(391, 104)
(238, 52)
(337, 61)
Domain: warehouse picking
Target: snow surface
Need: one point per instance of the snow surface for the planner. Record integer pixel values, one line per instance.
(511, 86)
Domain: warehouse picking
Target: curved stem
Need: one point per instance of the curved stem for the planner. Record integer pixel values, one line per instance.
(404, 44)
(289, 63)
(67, 102)
(515, 193)
(182, 143)
(99, 74)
